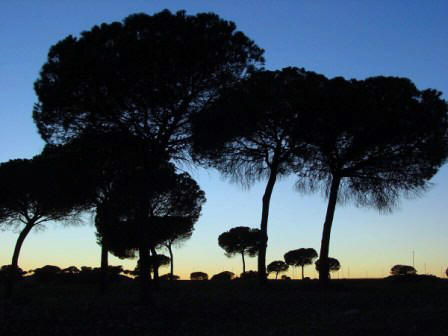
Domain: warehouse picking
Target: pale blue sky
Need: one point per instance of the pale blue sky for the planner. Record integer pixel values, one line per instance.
(354, 39)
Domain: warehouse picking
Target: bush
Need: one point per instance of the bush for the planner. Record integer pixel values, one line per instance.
(249, 275)
(47, 273)
(226, 275)
(7, 272)
(168, 277)
(198, 276)
(403, 270)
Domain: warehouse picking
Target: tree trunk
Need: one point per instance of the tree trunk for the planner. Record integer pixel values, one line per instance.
(276, 275)
(104, 282)
(170, 250)
(244, 263)
(264, 223)
(22, 236)
(155, 268)
(12, 278)
(324, 270)
(20, 239)
(303, 273)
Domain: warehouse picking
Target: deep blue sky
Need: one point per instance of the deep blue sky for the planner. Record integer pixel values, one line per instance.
(354, 39)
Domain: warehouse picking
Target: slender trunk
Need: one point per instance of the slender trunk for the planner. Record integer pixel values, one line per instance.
(20, 239)
(104, 282)
(324, 270)
(170, 250)
(264, 223)
(276, 275)
(12, 277)
(244, 262)
(155, 267)
(303, 273)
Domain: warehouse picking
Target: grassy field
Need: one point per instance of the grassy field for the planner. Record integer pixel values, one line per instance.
(348, 307)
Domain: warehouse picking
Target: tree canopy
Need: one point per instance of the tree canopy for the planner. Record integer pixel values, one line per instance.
(146, 75)
(300, 257)
(35, 191)
(143, 208)
(370, 141)
(333, 265)
(245, 133)
(240, 240)
(277, 267)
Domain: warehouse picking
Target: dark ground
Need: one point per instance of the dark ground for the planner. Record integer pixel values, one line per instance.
(348, 307)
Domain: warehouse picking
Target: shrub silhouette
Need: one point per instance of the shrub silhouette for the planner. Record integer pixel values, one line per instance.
(249, 275)
(198, 276)
(169, 276)
(403, 270)
(47, 273)
(11, 273)
(225, 275)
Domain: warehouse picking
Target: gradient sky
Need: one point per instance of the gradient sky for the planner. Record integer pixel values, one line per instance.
(356, 39)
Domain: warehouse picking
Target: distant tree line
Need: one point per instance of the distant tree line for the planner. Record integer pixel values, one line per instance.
(124, 104)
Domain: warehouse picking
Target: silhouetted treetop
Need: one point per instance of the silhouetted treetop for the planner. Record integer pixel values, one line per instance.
(403, 270)
(381, 135)
(277, 266)
(147, 74)
(198, 276)
(333, 264)
(246, 132)
(149, 206)
(370, 141)
(300, 257)
(240, 240)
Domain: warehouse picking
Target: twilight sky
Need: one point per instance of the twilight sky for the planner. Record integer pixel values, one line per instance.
(356, 39)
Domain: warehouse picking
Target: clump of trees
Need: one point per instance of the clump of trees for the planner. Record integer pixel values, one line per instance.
(124, 102)
(241, 240)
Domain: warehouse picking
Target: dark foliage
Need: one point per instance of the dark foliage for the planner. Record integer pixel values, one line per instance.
(9, 273)
(169, 276)
(225, 275)
(370, 141)
(245, 133)
(198, 276)
(240, 240)
(36, 191)
(277, 267)
(403, 270)
(249, 275)
(47, 273)
(333, 265)
(149, 207)
(147, 75)
(300, 257)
